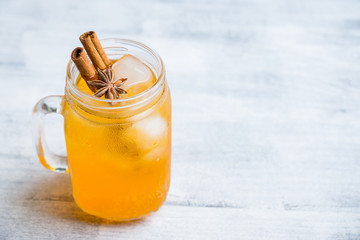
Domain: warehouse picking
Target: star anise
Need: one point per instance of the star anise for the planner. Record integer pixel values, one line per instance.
(107, 85)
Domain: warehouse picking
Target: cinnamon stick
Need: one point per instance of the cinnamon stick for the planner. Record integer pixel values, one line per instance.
(95, 51)
(95, 40)
(83, 64)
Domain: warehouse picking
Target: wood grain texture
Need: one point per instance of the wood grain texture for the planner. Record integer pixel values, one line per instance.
(266, 110)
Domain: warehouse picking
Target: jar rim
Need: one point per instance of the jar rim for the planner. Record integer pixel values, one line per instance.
(85, 97)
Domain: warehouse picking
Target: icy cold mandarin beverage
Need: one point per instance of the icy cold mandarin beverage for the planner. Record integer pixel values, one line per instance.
(120, 161)
(117, 125)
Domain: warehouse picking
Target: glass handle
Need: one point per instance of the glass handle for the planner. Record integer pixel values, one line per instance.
(50, 160)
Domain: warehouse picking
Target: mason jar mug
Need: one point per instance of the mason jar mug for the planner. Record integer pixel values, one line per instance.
(118, 151)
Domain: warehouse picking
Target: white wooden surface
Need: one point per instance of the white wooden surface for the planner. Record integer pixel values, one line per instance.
(266, 116)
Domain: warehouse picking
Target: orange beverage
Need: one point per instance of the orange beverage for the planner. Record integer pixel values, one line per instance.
(120, 164)
(118, 151)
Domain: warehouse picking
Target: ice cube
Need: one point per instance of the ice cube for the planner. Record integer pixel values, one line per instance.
(139, 76)
(152, 127)
(148, 133)
(157, 154)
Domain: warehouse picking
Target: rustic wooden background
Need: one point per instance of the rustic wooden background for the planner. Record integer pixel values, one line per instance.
(266, 116)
